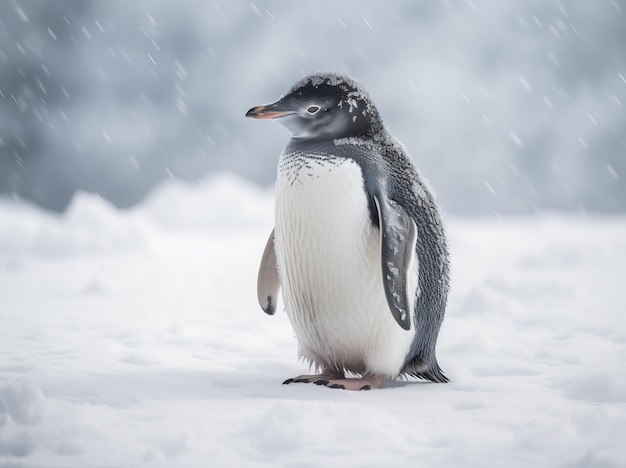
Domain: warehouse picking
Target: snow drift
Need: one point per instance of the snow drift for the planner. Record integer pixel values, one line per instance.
(133, 338)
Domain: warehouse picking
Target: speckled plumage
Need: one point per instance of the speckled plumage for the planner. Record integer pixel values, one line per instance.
(348, 153)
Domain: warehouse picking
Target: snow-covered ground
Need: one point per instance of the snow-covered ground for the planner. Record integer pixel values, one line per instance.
(134, 339)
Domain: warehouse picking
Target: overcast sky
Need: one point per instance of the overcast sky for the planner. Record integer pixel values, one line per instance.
(505, 106)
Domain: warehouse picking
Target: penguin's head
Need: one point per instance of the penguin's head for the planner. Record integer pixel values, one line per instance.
(323, 106)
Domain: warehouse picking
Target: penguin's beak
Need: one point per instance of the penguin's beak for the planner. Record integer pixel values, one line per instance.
(269, 111)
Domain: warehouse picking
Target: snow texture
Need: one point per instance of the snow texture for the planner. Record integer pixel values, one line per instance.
(135, 339)
(355, 92)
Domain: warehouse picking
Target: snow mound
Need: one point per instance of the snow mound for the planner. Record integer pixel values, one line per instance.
(90, 225)
(224, 202)
(127, 356)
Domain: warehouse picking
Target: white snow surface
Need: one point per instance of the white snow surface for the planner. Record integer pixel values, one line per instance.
(134, 339)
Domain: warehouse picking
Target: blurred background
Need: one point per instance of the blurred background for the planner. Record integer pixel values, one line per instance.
(505, 107)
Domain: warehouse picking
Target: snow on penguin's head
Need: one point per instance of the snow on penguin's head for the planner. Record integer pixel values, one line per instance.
(324, 106)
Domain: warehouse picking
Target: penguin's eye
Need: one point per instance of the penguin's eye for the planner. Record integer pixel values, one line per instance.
(312, 109)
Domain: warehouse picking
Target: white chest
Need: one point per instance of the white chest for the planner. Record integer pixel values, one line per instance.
(328, 255)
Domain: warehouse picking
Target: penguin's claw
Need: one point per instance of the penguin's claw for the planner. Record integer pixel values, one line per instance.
(365, 383)
(334, 379)
(319, 379)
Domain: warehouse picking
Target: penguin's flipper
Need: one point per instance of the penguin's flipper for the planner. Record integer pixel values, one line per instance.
(268, 284)
(398, 235)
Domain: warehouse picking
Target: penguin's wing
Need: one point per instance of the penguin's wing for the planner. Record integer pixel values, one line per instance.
(398, 236)
(268, 285)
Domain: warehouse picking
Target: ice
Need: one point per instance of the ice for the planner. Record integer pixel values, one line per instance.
(134, 338)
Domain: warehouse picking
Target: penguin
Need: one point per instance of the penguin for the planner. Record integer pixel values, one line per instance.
(358, 247)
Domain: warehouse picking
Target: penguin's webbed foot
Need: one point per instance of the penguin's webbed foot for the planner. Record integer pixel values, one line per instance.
(319, 379)
(367, 382)
(334, 379)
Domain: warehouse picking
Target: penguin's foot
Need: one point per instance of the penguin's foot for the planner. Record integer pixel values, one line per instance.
(336, 379)
(320, 379)
(367, 382)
